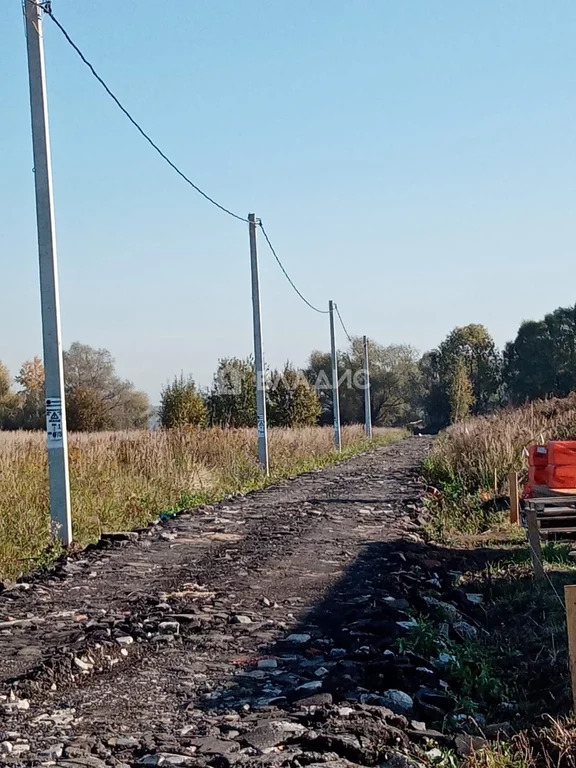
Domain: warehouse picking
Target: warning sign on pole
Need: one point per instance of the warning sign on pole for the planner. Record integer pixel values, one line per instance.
(54, 422)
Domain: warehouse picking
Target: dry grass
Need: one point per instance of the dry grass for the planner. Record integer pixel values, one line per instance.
(480, 451)
(123, 480)
(526, 623)
(550, 747)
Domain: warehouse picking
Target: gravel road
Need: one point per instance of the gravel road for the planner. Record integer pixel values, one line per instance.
(259, 631)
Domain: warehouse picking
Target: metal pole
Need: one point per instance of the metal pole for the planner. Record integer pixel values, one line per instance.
(57, 441)
(258, 353)
(367, 408)
(335, 394)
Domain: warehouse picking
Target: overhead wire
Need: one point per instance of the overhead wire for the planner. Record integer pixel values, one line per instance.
(287, 276)
(50, 13)
(47, 7)
(342, 323)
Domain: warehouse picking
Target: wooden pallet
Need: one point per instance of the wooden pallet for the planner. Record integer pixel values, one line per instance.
(555, 515)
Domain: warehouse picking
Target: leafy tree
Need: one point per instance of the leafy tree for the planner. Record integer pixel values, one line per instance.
(470, 349)
(541, 361)
(436, 395)
(319, 375)
(474, 347)
(10, 412)
(31, 376)
(31, 396)
(23, 409)
(89, 370)
(395, 388)
(292, 402)
(394, 383)
(84, 412)
(232, 398)
(181, 404)
(134, 412)
(5, 381)
(8, 401)
(461, 393)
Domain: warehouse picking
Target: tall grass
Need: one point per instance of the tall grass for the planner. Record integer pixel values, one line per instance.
(524, 622)
(478, 454)
(123, 480)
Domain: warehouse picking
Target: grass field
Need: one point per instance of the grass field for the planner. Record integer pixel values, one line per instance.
(478, 454)
(123, 480)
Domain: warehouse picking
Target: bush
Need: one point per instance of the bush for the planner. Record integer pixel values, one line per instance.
(292, 402)
(232, 399)
(84, 412)
(181, 405)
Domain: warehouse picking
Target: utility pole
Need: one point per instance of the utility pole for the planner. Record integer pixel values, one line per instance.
(335, 395)
(258, 353)
(56, 434)
(367, 408)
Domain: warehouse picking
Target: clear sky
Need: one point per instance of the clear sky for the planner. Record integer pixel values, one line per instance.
(414, 160)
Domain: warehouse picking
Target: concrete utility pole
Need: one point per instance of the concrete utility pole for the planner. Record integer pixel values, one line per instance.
(57, 440)
(367, 408)
(258, 353)
(335, 394)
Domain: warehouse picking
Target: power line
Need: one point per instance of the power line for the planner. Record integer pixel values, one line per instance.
(287, 276)
(342, 323)
(46, 6)
(48, 10)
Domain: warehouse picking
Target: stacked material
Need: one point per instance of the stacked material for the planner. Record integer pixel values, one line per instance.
(552, 469)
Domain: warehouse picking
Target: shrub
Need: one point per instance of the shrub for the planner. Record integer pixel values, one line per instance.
(232, 399)
(292, 402)
(181, 405)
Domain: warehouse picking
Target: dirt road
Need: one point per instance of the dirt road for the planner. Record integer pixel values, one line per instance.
(258, 631)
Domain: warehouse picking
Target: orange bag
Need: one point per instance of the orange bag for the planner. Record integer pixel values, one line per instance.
(562, 476)
(538, 456)
(538, 476)
(562, 453)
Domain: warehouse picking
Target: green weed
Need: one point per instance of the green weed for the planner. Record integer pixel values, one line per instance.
(476, 673)
(422, 639)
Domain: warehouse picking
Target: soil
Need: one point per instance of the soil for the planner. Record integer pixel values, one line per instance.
(260, 631)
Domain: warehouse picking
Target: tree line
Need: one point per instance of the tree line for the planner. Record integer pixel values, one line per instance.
(465, 375)
(301, 397)
(96, 397)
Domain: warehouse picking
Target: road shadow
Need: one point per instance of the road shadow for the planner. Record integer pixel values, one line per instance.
(457, 631)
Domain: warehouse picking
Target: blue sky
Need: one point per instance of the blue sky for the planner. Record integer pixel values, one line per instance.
(414, 160)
